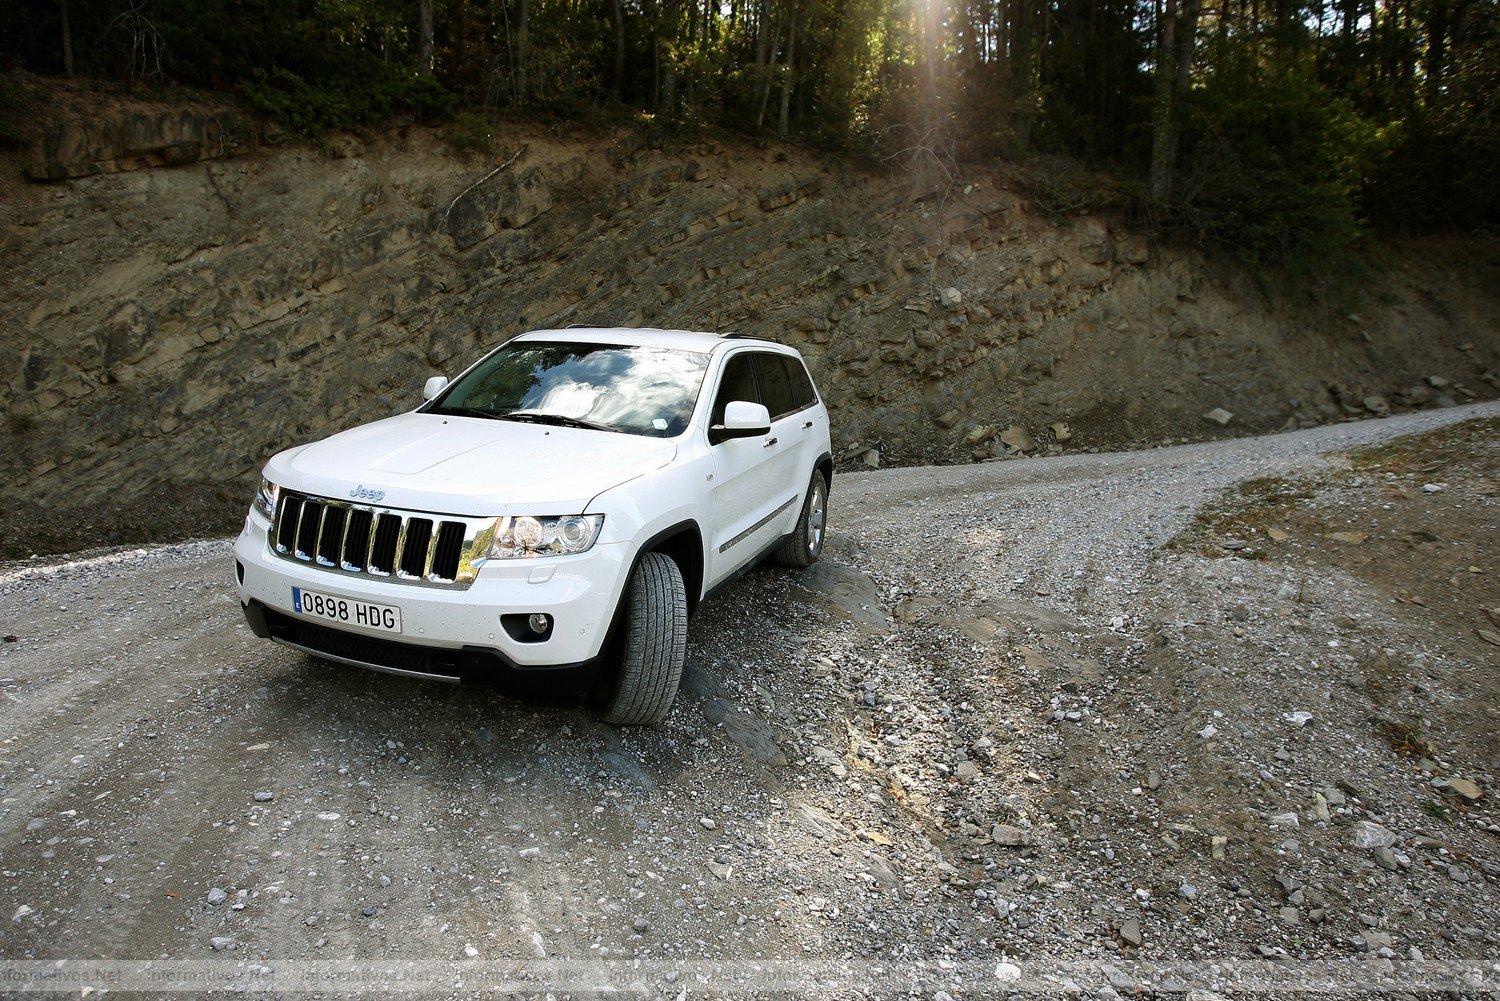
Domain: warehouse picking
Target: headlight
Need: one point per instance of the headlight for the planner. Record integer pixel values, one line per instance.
(527, 537)
(265, 498)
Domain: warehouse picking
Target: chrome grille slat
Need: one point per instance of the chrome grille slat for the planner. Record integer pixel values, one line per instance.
(358, 540)
(385, 543)
(307, 530)
(357, 535)
(447, 552)
(400, 554)
(414, 549)
(331, 535)
(286, 532)
(432, 542)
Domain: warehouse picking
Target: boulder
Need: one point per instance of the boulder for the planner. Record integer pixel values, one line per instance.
(1018, 439)
(1367, 834)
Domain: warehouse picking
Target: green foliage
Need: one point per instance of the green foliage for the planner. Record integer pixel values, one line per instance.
(1440, 164)
(361, 91)
(1061, 187)
(1271, 166)
(471, 133)
(1293, 124)
(563, 72)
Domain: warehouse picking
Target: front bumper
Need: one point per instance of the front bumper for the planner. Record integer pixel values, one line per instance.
(451, 634)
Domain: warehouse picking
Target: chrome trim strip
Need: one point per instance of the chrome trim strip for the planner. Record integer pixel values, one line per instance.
(451, 679)
(758, 525)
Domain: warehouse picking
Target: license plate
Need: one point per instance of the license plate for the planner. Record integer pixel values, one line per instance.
(347, 611)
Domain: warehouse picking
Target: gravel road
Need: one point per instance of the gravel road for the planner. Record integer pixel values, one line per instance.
(1021, 729)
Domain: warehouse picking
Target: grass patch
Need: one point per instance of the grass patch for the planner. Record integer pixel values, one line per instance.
(1406, 737)
(1426, 452)
(470, 133)
(1249, 511)
(1246, 513)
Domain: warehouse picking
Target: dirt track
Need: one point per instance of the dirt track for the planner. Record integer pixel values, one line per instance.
(1008, 720)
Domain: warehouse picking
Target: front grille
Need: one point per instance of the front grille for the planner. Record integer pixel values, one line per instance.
(404, 546)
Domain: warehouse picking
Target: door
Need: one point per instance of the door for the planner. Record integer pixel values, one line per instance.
(747, 488)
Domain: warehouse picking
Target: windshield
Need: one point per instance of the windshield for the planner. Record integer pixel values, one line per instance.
(609, 387)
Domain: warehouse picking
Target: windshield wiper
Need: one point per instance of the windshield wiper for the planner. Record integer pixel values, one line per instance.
(557, 420)
(469, 412)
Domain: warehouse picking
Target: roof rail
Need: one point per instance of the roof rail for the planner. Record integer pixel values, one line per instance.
(735, 335)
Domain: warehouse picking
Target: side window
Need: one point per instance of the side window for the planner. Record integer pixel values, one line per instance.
(775, 387)
(803, 393)
(738, 383)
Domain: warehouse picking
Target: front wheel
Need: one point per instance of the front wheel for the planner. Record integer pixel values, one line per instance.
(803, 547)
(655, 644)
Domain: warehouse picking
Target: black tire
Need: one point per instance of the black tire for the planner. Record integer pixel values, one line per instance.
(654, 647)
(803, 547)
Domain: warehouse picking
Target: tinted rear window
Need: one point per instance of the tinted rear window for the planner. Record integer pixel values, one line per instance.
(775, 387)
(803, 393)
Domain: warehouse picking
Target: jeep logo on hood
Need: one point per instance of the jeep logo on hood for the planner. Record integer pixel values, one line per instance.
(362, 492)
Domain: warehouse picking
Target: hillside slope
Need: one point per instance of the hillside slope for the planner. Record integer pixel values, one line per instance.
(177, 316)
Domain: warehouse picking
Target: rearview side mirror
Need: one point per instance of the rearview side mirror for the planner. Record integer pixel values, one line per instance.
(434, 386)
(742, 419)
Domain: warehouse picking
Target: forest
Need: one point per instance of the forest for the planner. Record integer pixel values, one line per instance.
(1275, 130)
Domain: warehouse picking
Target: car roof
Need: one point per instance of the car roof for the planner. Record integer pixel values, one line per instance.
(682, 340)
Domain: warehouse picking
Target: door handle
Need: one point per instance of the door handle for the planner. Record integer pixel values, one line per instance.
(769, 443)
(806, 425)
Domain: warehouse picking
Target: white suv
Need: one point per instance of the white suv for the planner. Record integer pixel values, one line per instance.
(545, 522)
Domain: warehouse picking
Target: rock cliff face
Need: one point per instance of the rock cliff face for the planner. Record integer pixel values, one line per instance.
(167, 329)
(140, 140)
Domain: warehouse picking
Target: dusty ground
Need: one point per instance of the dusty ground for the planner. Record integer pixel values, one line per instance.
(1097, 723)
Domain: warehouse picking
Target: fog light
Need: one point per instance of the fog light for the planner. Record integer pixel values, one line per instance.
(539, 622)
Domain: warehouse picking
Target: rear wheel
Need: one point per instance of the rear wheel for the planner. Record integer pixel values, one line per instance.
(803, 547)
(655, 644)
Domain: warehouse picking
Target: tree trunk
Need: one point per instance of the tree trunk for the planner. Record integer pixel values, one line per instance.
(1436, 63)
(931, 19)
(668, 56)
(690, 89)
(1162, 146)
(424, 52)
(619, 69)
(67, 39)
(762, 23)
(786, 74)
(765, 83)
(523, 55)
(1025, 56)
(1187, 38)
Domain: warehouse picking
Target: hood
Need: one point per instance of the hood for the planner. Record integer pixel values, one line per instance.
(468, 465)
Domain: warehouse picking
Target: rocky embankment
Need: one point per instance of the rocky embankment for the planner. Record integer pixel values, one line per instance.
(185, 297)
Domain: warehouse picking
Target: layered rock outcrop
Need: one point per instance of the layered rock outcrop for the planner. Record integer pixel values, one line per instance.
(167, 329)
(140, 140)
